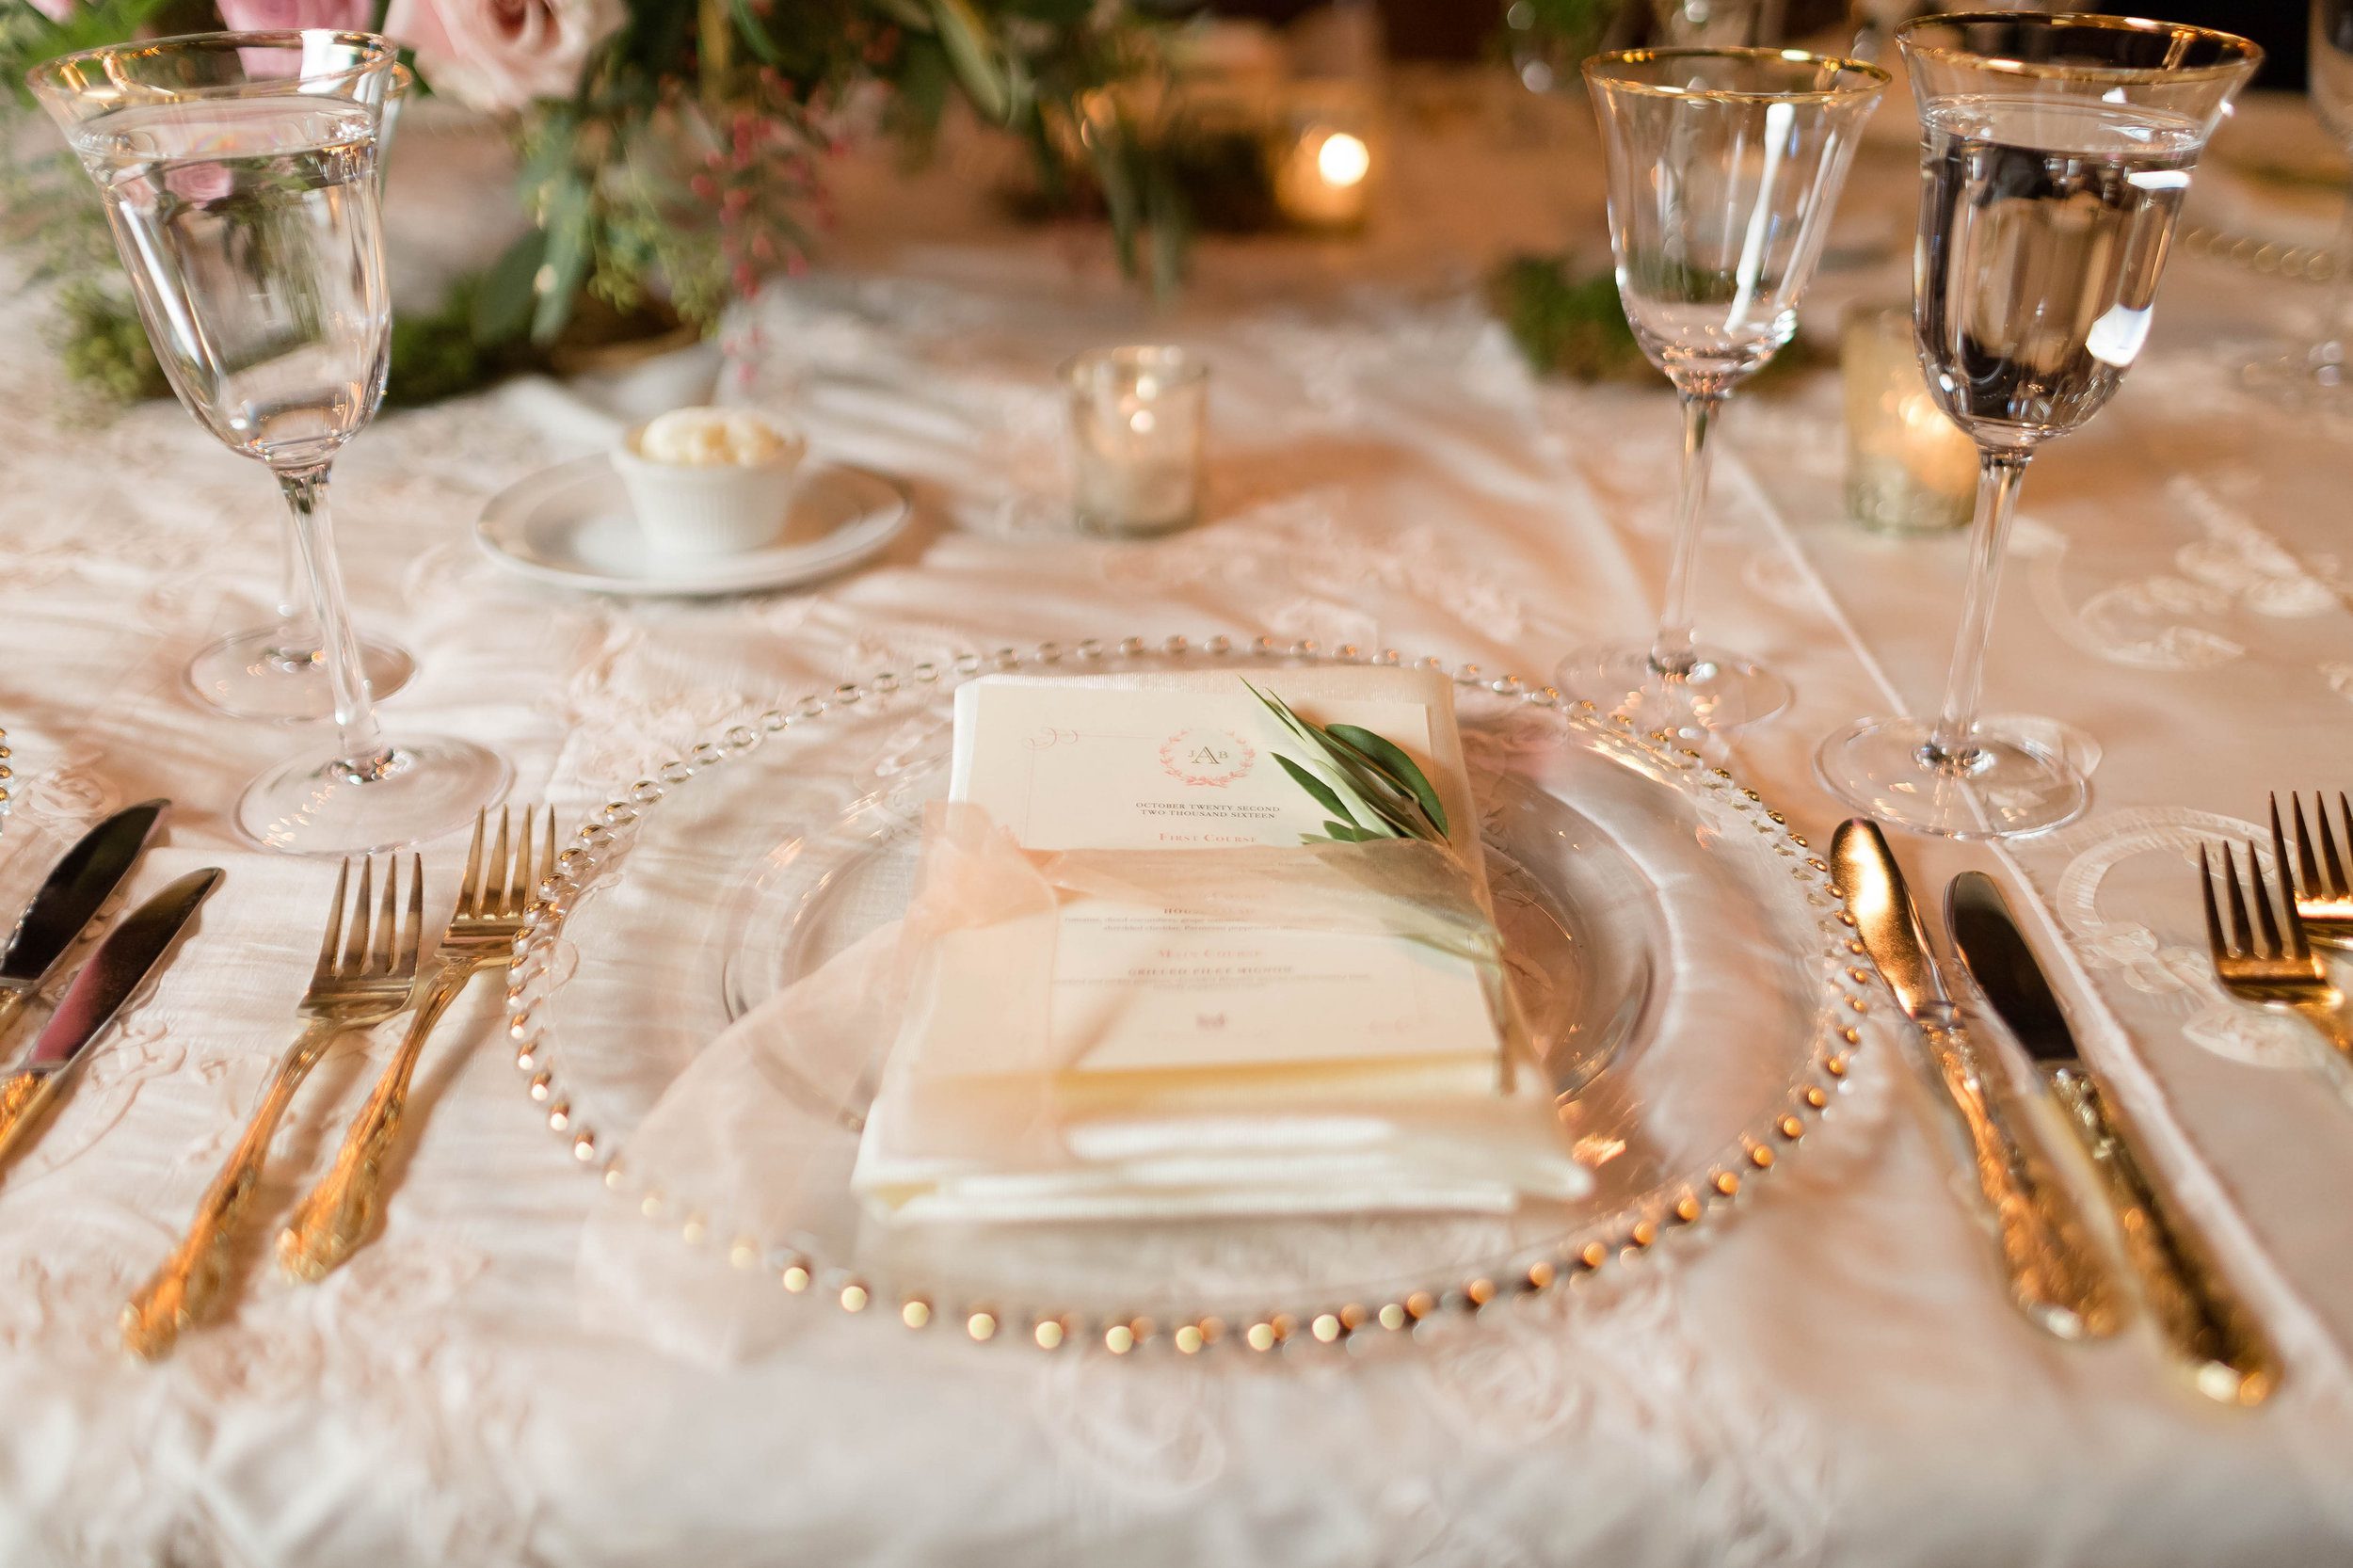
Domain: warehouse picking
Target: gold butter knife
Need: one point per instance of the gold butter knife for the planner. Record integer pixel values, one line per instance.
(2057, 1276)
(2217, 1341)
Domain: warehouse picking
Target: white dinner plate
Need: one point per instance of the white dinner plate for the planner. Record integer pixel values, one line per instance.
(571, 525)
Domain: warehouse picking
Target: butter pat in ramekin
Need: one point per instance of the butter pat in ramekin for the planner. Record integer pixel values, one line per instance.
(710, 481)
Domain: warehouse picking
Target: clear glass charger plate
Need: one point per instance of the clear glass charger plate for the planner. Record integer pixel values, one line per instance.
(1688, 969)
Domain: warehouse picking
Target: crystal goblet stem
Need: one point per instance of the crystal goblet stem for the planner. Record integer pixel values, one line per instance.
(1674, 650)
(363, 757)
(1952, 744)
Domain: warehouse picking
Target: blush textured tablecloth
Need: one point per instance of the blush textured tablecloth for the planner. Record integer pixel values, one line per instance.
(1828, 1374)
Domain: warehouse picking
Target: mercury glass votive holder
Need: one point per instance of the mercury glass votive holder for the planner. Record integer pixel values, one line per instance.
(1138, 418)
(1910, 470)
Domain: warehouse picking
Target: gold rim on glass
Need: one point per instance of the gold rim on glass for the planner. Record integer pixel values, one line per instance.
(2240, 55)
(1865, 77)
(84, 68)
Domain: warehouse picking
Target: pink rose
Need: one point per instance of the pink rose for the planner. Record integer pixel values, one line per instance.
(269, 16)
(501, 53)
(56, 10)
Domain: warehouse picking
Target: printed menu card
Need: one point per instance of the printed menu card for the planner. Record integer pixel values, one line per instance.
(1189, 1011)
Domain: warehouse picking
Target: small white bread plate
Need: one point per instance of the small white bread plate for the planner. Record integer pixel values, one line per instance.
(571, 525)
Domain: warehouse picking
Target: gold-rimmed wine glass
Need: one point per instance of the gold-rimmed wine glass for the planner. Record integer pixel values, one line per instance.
(2058, 150)
(277, 672)
(1725, 166)
(239, 177)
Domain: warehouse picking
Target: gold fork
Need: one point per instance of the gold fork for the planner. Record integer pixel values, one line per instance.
(2323, 893)
(2282, 973)
(367, 981)
(492, 898)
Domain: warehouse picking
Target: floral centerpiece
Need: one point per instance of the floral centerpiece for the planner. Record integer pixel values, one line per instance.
(670, 150)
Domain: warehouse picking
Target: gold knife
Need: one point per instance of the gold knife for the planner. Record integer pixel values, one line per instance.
(2057, 1275)
(2211, 1333)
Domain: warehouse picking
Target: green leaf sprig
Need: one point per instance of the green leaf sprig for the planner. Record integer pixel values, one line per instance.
(1371, 789)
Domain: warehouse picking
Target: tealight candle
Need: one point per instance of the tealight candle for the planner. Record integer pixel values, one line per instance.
(1910, 470)
(1137, 420)
(1323, 171)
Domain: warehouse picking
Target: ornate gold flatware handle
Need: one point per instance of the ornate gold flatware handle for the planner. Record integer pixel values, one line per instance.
(333, 1217)
(2201, 1317)
(184, 1289)
(2055, 1274)
(11, 1003)
(25, 1099)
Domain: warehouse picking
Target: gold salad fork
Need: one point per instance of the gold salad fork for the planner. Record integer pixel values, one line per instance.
(361, 978)
(492, 898)
(2322, 891)
(2281, 972)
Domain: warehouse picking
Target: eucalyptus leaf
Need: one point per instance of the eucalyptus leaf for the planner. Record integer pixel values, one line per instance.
(1400, 768)
(571, 218)
(964, 36)
(502, 308)
(1359, 776)
(755, 33)
(1321, 792)
(1282, 714)
(1395, 812)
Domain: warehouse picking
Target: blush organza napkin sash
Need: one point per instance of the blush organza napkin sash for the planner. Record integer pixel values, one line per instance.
(997, 1119)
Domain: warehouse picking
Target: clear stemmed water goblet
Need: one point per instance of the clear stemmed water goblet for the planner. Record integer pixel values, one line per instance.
(238, 172)
(278, 672)
(1725, 166)
(2319, 375)
(2058, 150)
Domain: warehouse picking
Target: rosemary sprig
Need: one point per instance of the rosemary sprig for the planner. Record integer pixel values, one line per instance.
(1371, 789)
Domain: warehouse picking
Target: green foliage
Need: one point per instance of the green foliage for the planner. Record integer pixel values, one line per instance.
(683, 169)
(679, 174)
(27, 37)
(440, 354)
(1220, 175)
(1569, 322)
(1578, 24)
(103, 345)
(1371, 789)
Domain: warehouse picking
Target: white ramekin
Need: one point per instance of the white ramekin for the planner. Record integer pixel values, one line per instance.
(719, 509)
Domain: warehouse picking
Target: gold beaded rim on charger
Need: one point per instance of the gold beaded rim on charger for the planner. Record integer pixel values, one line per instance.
(1626, 1237)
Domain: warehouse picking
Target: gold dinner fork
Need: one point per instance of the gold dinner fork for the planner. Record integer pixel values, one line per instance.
(2283, 972)
(363, 984)
(2323, 893)
(492, 898)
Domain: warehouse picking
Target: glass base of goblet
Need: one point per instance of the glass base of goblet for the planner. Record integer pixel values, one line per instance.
(256, 675)
(1722, 692)
(2313, 380)
(2007, 785)
(312, 803)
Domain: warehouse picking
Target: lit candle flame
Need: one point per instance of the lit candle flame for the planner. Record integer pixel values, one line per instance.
(1343, 159)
